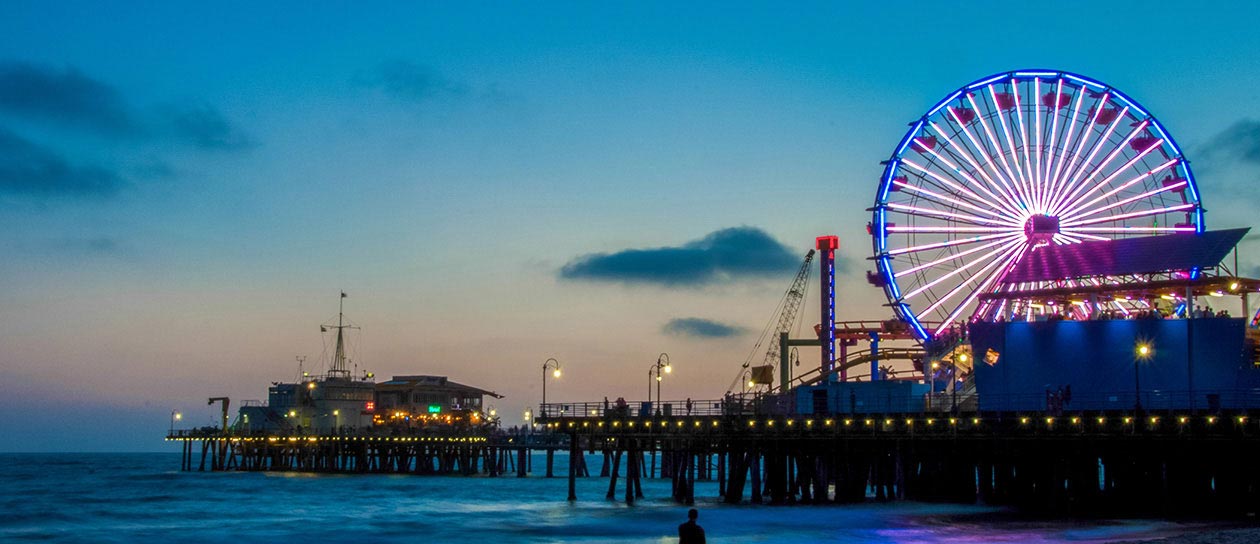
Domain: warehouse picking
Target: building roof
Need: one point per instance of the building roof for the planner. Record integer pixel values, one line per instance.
(432, 382)
(1143, 255)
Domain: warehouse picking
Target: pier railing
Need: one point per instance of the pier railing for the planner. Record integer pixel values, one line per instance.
(1050, 402)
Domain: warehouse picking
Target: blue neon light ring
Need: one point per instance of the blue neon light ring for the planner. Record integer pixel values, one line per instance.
(995, 161)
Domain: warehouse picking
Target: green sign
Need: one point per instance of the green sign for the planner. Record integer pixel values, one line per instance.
(435, 408)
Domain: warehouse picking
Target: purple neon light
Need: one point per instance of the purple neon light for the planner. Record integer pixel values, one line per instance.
(997, 150)
(1003, 187)
(1071, 211)
(1067, 206)
(957, 255)
(934, 194)
(983, 258)
(949, 243)
(960, 216)
(1072, 219)
(970, 158)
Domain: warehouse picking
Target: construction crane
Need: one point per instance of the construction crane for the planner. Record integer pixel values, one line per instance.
(789, 307)
(225, 402)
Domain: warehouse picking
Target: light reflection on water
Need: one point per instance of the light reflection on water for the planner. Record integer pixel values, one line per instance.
(140, 498)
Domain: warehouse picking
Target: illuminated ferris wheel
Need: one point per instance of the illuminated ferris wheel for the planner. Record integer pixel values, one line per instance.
(1008, 164)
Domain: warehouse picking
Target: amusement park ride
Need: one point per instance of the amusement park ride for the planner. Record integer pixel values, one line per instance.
(1033, 202)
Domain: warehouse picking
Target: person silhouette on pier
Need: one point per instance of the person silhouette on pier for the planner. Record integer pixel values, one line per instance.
(690, 532)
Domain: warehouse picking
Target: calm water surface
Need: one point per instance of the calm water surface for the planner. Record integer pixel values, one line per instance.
(144, 498)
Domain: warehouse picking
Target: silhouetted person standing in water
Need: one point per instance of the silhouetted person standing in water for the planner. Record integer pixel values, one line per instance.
(690, 533)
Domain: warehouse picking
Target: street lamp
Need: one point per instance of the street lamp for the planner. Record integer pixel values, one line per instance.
(1142, 352)
(661, 364)
(551, 363)
(175, 416)
(529, 418)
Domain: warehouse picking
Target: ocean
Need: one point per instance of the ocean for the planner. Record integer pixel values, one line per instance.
(142, 497)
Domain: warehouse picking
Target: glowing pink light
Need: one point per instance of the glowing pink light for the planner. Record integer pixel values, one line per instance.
(1147, 194)
(1040, 148)
(1013, 254)
(1069, 204)
(1024, 185)
(934, 194)
(936, 245)
(1130, 215)
(970, 160)
(947, 182)
(960, 216)
(997, 148)
(982, 259)
(950, 229)
(1084, 181)
(988, 162)
(1078, 230)
(1122, 187)
(1067, 175)
(1067, 141)
(1053, 111)
(957, 255)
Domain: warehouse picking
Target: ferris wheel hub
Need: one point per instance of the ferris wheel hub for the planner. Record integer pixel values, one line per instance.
(1040, 229)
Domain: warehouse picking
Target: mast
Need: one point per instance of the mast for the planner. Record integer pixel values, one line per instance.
(338, 366)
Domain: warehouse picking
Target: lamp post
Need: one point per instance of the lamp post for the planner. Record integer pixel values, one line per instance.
(961, 358)
(1142, 352)
(175, 416)
(550, 363)
(529, 420)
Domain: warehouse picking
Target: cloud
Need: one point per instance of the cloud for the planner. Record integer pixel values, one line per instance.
(64, 96)
(68, 97)
(698, 327)
(1240, 142)
(204, 126)
(31, 170)
(410, 81)
(722, 256)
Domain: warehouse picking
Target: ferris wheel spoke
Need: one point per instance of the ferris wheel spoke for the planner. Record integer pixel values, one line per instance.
(1019, 123)
(1073, 218)
(1067, 141)
(1001, 185)
(1045, 159)
(931, 195)
(1011, 255)
(1128, 229)
(1074, 209)
(999, 151)
(1084, 173)
(1025, 200)
(1065, 177)
(970, 219)
(954, 256)
(1070, 203)
(970, 264)
(947, 243)
(1131, 215)
(953, 168)
(965, 154)
(943, 183)
(936, 229)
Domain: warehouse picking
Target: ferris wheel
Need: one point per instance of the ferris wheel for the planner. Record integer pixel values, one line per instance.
(1008, 164)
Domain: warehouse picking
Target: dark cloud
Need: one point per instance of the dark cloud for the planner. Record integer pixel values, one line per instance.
(698, 327)
(724, 255)
(410, 81)
(205, 127)
(31, 170)
(68, 97)
(64, 96)
(1240, 142)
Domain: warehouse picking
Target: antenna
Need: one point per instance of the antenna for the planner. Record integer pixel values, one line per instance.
(300, 359)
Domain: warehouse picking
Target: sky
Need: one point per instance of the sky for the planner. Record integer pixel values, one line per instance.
(186, 187)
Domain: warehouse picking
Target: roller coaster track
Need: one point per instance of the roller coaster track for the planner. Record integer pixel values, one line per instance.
(856, 358)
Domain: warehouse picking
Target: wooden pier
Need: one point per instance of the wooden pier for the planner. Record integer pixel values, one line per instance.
(1077, 464)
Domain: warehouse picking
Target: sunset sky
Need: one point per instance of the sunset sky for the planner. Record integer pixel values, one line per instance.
(186, 187)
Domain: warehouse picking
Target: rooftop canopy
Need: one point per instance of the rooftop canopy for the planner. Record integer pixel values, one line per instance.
(1126, 256)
